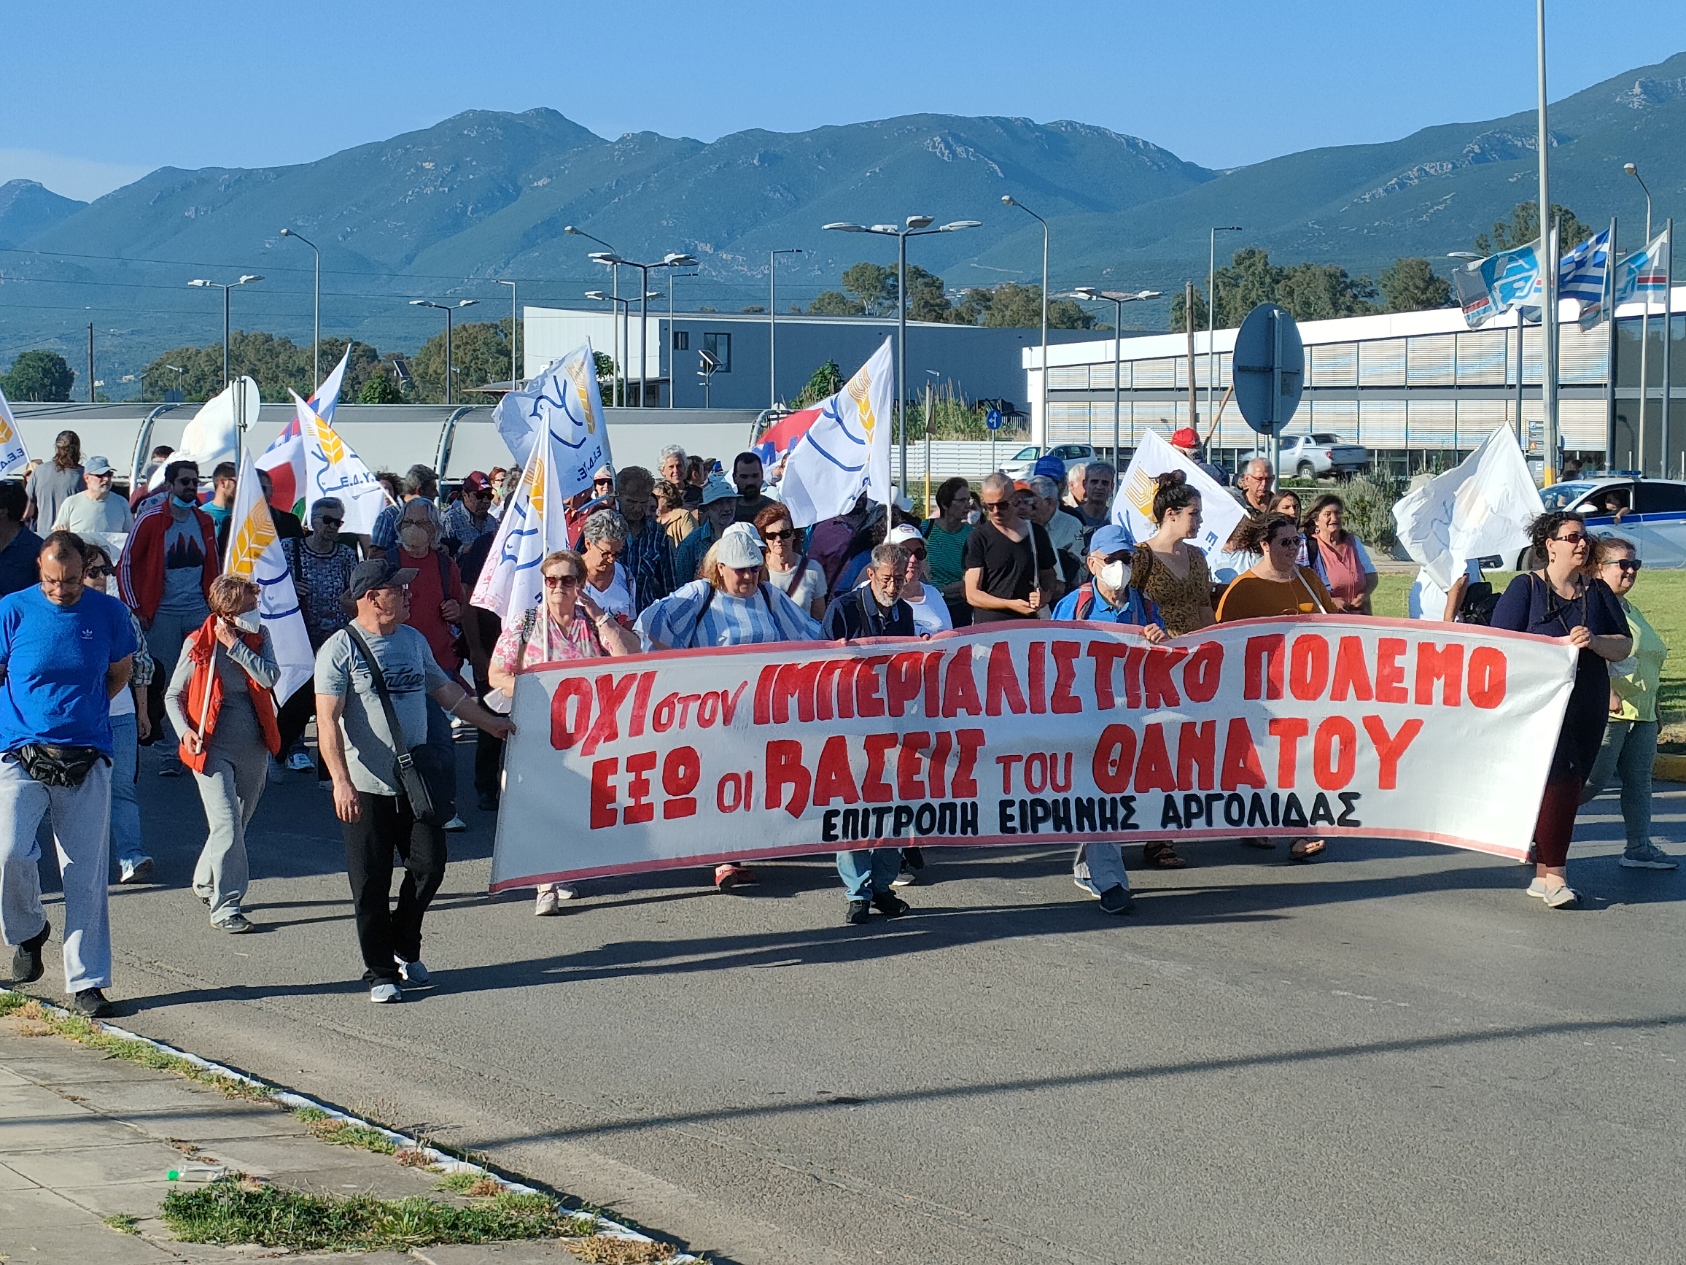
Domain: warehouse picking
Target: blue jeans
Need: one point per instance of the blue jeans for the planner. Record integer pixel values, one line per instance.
(1100, 866)
(440, 739)
(868, 872)
(1628, 751)
(125, 808)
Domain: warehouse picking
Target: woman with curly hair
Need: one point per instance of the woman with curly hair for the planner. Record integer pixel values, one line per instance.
(1562, 598)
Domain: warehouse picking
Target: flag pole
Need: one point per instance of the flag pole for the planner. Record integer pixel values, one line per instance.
(1668, 341)
(1548, 273)
(1610, 258)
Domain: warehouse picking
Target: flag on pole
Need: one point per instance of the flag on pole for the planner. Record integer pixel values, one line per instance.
(1643, 275)
(1132, 509)
(1473, 298)
(333, 468)
(564, 403)
(1581, 273)
(533, 526)
(845, 449)
(254, 553)
(13, 455)
(283, 460)
(1482, 506)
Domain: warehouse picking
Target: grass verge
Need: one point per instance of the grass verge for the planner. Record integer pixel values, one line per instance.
(343, 1133)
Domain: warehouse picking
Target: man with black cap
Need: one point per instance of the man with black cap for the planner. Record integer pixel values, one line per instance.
(360, 749)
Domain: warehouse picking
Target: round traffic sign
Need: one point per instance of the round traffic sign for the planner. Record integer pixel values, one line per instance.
(1268, 368)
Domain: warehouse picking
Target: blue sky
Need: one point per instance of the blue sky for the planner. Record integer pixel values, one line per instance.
(121, 88)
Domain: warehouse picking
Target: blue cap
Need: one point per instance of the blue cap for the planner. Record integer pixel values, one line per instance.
(1111, 539)
(1049, 466)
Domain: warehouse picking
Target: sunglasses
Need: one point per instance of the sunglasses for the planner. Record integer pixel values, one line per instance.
(779, 535)
(107, 475)
(1626, 564)
(1573, 539)
(561, 581)
(918, 555)
(1288, 542)
(329, 522)
(991, 507)
(96, 572)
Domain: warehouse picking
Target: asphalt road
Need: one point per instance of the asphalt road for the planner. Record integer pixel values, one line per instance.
(1390, 1055)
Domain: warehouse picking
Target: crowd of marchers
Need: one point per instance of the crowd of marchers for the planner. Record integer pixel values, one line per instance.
(102, 654)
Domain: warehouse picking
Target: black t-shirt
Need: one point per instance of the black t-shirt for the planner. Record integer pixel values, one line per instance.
(1011, 569)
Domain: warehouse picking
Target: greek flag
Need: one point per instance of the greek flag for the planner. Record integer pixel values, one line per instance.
(1581, 274)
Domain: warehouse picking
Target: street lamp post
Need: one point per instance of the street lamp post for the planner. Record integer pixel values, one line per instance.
(1118, 300)
(1644, 335)
(772, 324)
(514, 322)
(1007, 199)
(672, 368)
(208, 285)
(1548, 273)
(670, 260)
(448, 309)
(1212, 308)
(316, 318)
(614, 291)
(916, 226)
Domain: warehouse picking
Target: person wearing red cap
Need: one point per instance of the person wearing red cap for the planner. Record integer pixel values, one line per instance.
(1186, 441)
(469, 517)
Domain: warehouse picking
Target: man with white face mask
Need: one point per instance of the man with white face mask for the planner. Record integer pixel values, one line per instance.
(1098, 868)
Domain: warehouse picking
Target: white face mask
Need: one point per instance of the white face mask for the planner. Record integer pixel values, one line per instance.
(249, 621)
(1114, 576)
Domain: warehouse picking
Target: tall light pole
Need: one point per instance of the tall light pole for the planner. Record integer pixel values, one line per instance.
(773, 325)
(1118, 300)
(316, 319)
(1548, 272)
(208, 285)
(672, 368)
(1212, 308)
(1644, 335)
(514, 324)
(1007, 199)
(916, 226)
(614, 291)
(448, 309)
(670, 260)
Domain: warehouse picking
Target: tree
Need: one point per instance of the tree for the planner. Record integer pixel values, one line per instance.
(39, 377)
(836, 303)
(1524, 227)
(825, 381)
(926, 298)
(379, 389)
(1011, 305)
(1310, 292)
(754, 309)
(873, 285)
(1411, 286)
(1179, 316)
(276, 364)
(1320, 292)
(481, 353)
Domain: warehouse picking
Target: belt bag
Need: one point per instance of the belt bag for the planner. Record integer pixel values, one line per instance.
(58, 766)
(419, 768)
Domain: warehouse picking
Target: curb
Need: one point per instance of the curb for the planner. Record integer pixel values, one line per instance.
(437, 1159)
(1669, 768)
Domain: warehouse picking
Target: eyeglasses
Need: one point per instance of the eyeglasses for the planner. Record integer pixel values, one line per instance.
(1572, 539)
(107, 476)
(561, 581)
(1626, 564)
(481, 494)
(607, 550)
(779, 535)
(1288, 542)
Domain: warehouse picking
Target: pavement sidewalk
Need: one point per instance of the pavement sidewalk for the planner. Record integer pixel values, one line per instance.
(85, 1136)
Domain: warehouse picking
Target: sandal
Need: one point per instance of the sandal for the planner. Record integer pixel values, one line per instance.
(1305, 849)
(1160, 855)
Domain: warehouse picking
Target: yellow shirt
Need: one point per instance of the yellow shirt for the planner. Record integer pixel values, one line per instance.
(1635, 679)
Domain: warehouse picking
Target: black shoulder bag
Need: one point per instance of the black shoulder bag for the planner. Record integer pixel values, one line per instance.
(420, 770)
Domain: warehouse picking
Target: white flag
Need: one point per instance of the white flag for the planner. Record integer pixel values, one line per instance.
(562, 402)
(532, 527)
(1481, 506)
(333, 468)
(213, 435)
(846, 450)
(13, 455)
(1132, 510)
(254, 553)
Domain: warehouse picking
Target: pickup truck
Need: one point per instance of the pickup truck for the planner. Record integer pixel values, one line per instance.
(1315, 456)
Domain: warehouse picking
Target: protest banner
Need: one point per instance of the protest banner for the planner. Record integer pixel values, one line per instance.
(1133, 509)
(1037, 733)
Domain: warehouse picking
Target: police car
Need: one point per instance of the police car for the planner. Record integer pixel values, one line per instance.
(1649, 512)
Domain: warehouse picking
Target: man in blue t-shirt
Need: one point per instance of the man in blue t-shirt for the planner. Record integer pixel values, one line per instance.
(65, 652)
(1107, 598)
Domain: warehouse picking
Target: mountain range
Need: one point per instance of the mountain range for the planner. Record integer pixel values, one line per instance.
(445, 212)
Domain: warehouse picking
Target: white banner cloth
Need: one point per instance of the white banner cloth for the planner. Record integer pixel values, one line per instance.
(1481, 506)
(1047, 733)
(1133, 508)
(847, 449)
(562, 402)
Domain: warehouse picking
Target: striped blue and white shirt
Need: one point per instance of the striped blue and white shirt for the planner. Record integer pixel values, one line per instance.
(681, 621)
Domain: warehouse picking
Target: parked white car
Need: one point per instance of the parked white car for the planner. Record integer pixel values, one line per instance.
(1022, 462)
(1649, 512)
(1315, 456)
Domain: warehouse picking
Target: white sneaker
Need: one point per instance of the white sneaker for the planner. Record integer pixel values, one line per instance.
(1536, 889)
(411, 972)
(383, 994)
(907, 878)
(1562, 896)
(455, 826)
(137, 871)
(1086, 887)
(548, 905)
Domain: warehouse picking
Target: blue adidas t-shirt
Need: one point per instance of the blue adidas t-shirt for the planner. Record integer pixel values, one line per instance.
(56, 659)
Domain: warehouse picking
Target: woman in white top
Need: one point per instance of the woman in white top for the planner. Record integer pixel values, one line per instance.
(790, 571)
(602, 541)
(930, 612)
(129, 724)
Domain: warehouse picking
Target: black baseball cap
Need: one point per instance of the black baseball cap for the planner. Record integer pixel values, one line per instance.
(378, 573)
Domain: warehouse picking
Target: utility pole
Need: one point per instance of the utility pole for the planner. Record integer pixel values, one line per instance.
(1548, 274)
(1188, 320)
(91, 367)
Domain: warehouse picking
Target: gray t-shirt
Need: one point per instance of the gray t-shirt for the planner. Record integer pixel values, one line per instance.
(411, 674)
(184, 565)
(49, 485)
(84, 515)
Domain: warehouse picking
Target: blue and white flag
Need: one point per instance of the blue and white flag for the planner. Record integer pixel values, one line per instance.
(1513, 277)
(847, 449)
(564, 403)
(1643, 275)
(1473, 297)
(532, 527)
(1581, 274)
